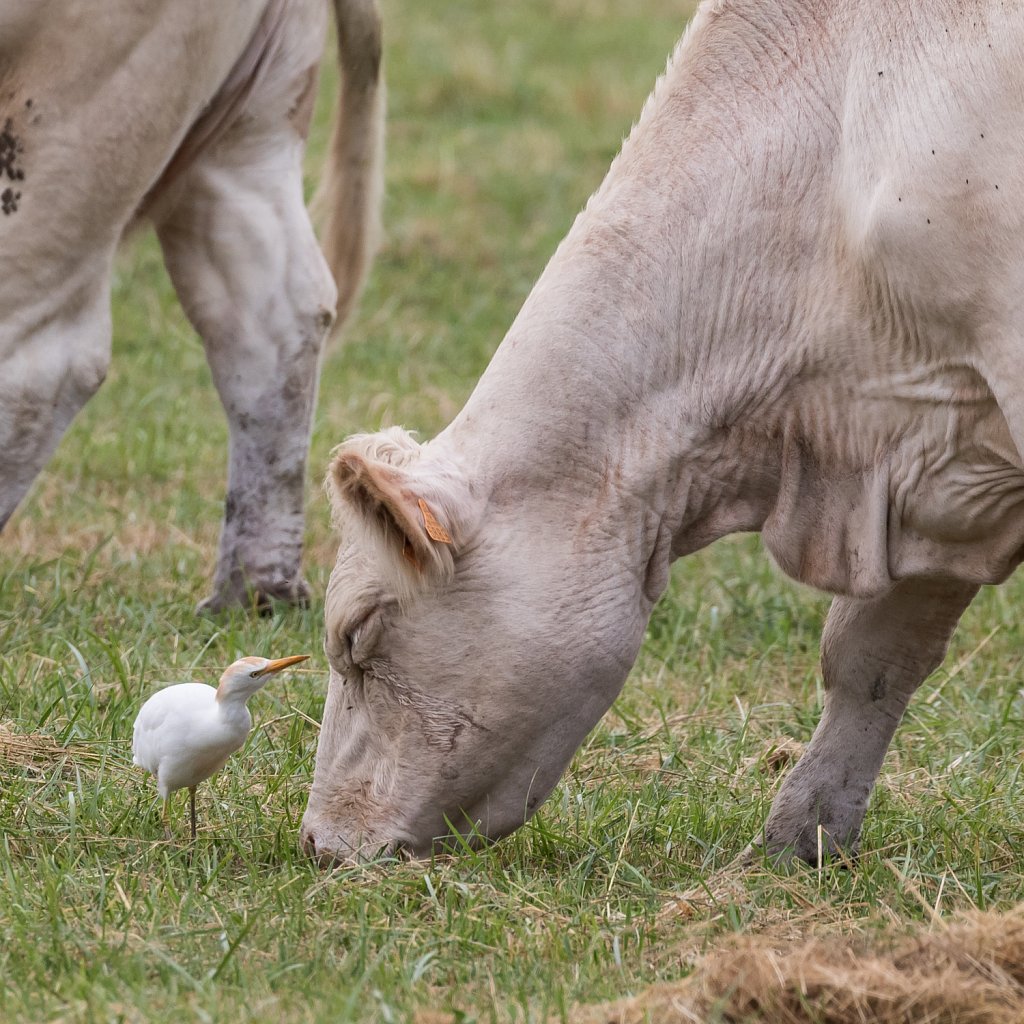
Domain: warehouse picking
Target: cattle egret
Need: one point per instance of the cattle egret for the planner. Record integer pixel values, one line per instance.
(186, 732)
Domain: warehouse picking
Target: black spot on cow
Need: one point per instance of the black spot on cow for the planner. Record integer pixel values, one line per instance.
(879, 688)
(11, 149)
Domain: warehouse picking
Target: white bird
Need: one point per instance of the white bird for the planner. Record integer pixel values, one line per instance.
(185, 733)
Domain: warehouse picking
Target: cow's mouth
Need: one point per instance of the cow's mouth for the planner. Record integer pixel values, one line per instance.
(344, 854)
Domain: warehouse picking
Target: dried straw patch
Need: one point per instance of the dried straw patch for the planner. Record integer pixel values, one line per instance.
(35, 753)
(967, 972)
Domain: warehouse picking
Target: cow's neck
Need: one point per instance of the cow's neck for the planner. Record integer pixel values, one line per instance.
(597, 411)
(699, 358)
(641, 375)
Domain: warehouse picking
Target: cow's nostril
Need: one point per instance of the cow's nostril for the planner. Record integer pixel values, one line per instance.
(324, 857)
(327, 861)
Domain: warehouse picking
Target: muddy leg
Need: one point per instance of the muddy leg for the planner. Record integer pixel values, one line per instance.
(874, 655)
(246, 265)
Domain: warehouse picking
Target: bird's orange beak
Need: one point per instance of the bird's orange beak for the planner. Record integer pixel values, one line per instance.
(281, 663)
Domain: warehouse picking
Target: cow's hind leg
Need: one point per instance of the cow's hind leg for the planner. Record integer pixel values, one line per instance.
(874, 655)
(243, 257)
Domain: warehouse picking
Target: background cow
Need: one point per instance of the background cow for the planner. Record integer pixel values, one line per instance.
(192, 115)
(794, 307)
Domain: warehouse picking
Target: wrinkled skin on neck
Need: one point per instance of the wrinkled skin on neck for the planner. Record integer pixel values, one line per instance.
(780, 313)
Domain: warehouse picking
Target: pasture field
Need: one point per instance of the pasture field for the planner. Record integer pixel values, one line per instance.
(503, 118)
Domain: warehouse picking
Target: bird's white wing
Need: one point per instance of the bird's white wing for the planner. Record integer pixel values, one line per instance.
(170, 714)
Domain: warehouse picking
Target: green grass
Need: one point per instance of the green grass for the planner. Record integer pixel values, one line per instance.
(503, 119)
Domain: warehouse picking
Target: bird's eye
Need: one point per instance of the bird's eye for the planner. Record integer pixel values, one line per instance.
(254, 673)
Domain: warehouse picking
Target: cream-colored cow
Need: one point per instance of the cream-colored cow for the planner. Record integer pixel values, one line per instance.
(191, 114)
(794, 306)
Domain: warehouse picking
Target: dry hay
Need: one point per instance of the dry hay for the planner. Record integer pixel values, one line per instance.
(36, 753)
(967, 972)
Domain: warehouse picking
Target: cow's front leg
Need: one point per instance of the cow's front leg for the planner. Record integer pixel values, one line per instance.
(241, 251)
(874, 655)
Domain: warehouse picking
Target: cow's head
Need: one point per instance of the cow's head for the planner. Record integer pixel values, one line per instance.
(471, 649)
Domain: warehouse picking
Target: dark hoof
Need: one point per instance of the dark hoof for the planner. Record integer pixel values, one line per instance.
(262, 600)
(777, 855)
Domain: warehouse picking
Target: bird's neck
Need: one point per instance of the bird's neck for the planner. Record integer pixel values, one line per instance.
(232, 709)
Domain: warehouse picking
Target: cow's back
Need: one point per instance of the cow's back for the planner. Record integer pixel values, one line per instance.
(932, 163)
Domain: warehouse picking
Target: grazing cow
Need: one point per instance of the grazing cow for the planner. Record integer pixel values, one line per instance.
(192, 115)
(794, 306)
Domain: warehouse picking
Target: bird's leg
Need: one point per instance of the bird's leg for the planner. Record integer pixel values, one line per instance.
(192, 808)
(167, 816)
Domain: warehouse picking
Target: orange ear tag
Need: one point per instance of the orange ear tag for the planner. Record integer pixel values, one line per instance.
(435, 531)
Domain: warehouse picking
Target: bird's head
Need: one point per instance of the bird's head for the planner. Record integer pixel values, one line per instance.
(247, 675)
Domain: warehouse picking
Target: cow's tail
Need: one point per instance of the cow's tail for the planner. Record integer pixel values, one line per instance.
(351, 187)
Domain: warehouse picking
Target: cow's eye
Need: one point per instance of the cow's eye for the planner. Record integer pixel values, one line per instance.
(364, 635)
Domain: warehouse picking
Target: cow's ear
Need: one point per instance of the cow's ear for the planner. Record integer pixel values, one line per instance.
(389, 499)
